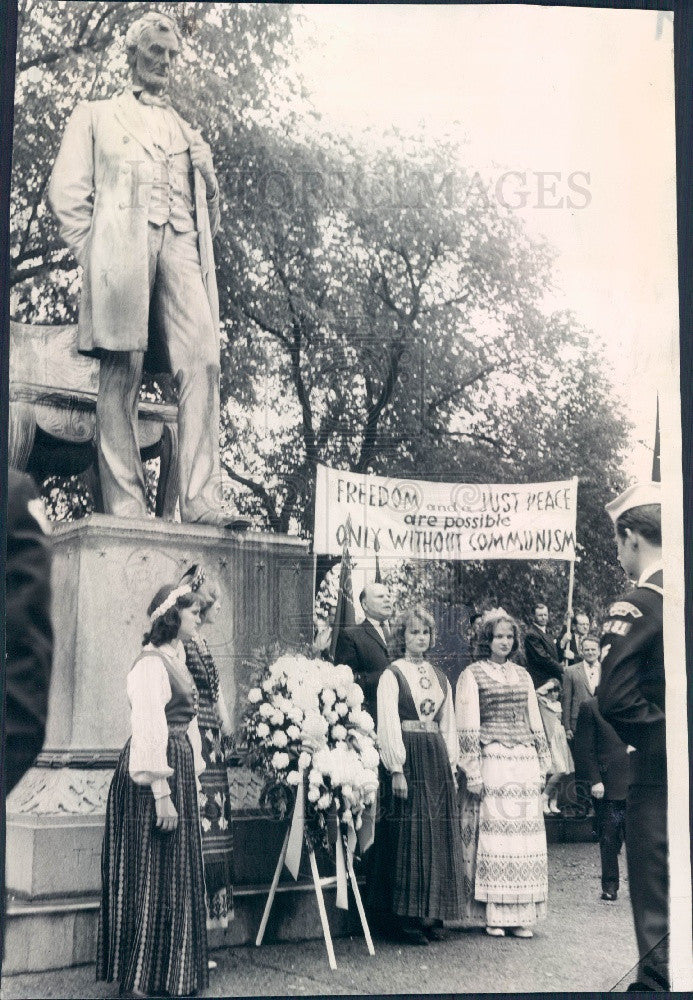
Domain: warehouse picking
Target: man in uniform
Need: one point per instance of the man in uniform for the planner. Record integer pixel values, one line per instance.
(631, 698)
(28, 640)
(137, 201)
(28, 627)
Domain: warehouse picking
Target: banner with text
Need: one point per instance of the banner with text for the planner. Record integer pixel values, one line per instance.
(412, 519)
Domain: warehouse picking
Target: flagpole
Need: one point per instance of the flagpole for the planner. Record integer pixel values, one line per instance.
(656, 463)
(345, 604)
(571, 587)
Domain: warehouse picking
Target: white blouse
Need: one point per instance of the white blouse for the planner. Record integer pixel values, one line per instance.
(390, 742)
(149, 691)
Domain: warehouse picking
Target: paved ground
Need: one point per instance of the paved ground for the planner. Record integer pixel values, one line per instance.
(584, 945)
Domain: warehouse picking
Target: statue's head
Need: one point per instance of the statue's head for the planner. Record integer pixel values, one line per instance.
(152, 43)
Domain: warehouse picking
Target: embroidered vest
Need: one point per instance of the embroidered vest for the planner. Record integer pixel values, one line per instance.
(406, 705)
(502, 710)
(182, 708)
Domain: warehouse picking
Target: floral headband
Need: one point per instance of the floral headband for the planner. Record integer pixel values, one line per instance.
(495, 614)
(194, 577)
(167, 604)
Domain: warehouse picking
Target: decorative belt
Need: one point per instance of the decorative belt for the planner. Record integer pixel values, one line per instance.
(178, 728)
(415, 726)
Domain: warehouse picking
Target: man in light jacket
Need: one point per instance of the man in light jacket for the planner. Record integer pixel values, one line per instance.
(137, 201)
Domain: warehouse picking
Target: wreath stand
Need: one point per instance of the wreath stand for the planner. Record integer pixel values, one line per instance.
(318, 884)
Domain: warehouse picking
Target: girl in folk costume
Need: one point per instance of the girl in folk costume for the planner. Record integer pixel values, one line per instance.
(152, 935)
(562, 766)
(505, 758)
(420, 846)
(215, 733)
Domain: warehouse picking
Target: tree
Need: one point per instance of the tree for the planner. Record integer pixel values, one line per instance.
(403, 335)
(386, 267)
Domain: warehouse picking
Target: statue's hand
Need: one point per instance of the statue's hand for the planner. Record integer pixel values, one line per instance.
(201, 156)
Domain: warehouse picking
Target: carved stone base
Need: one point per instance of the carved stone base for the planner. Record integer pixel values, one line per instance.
(54, 831)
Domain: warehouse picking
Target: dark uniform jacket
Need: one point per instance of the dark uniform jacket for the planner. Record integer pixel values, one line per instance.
(631, 690)
(540, 654)
(599, 753)
(29, 635)
(361, 648)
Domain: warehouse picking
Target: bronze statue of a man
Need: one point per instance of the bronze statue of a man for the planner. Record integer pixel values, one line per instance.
(137, 201)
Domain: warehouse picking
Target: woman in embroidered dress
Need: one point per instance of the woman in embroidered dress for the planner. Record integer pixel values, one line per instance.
(419, 853)
(152, 935)
(505, 758)
(215, 732)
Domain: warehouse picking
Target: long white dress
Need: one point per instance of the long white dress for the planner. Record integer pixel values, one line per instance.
(503, 832)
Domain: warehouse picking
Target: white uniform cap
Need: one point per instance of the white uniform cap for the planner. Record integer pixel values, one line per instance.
(635, 496)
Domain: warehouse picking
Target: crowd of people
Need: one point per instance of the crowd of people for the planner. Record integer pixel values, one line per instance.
(532, 721)
(467, 770)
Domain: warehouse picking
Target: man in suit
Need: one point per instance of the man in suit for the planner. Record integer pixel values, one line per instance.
(569, 650)
(540, 649)
(631, 697)
(602, 761)
(137, 201)
(580, 681)
(579, 684)
(363, 647)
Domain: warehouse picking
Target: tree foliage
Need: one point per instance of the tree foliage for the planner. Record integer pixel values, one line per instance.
(381, 311)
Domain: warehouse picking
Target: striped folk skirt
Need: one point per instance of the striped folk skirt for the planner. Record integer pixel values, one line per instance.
(215, 822)
(417, 843)
(152, 932)
(504, 841)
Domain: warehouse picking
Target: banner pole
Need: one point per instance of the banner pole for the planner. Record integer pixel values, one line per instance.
(571, 587)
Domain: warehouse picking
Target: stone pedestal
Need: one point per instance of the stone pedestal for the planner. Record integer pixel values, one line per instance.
(105, 572)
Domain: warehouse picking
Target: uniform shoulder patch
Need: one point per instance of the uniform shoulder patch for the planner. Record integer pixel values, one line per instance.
(616, 626)
(623, 609)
